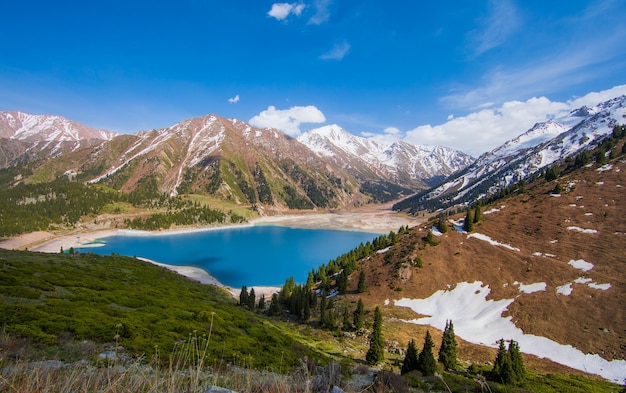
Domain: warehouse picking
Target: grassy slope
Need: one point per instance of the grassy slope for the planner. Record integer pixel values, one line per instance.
(49, 298)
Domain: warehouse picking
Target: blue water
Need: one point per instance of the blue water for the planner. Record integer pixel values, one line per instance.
(256, 255)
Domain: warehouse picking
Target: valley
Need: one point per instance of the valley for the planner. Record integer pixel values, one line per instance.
(540, 264)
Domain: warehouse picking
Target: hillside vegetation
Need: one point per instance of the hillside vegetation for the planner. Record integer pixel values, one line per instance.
(72, 307)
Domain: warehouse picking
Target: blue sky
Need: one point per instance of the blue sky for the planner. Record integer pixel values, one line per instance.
(427, 72)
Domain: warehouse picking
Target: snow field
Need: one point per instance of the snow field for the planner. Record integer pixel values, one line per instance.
(480, 321)
(489, 240)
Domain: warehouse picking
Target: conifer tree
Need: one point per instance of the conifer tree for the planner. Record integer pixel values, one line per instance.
(448, 349)
(426, 363)
(243, 296)
(517, 362)
(375, 354)
(342, 281)
(358, 315)
(468, 223)
(477, 214)
(410, 359)
(346, 325)
(441, 225)
(502, 369)
(261, 305)
(251, 301)
(361, 287)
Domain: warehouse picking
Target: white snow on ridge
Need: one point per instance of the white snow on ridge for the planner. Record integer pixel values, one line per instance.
(565, 289)
(531, 288)
(494, 210)
(487, 239)
(581, 265)
(480, 321)
(583, 230)
(602, 287)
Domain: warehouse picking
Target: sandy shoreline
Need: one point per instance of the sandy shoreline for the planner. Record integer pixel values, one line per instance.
(376, 222)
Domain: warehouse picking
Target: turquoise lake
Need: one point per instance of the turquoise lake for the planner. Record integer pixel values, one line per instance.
(257, 255)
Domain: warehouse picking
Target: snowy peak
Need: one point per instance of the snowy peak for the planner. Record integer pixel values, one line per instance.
(37, 128)
(398, 162)
(541, 146)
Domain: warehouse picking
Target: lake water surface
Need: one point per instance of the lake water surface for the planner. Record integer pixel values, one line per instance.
(257, 255)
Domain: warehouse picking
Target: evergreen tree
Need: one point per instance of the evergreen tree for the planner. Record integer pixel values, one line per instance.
(306, 312)
(251, 301)
(502, 369)
(426, 363)
(375, 354)
(274, 308)
(441, 225)
(342, 281)
(346, 325)
(477, 214)
(448, 349)
(468, 223)
(261, 305)
(359, 313)
(410, 359)
(361, 287)
(517, 362)
(243, 296)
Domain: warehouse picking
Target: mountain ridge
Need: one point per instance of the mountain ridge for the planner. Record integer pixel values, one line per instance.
(518, 159)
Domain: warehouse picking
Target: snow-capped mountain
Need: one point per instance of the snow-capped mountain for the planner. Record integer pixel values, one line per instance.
(25, 137)
(399, 162)
(519, 158)
(34, 128)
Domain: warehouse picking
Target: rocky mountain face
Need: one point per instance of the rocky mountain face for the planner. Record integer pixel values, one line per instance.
(25, 137)
(518, 159)
(229, 159)
(413, 166)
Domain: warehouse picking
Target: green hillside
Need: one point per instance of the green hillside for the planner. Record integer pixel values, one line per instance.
(56, 301)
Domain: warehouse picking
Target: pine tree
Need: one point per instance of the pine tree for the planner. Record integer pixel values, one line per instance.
(468, 223)
(243, 296)
(441, 225)
(261, 305)
(342, 281)
(361, 287)
(426, 363)
(410, 359)
(517, 362)
(251, 301)
(448, 349)
(375, 354)
(358, 315)
(477, 214)
(502, 369)
(346, 325)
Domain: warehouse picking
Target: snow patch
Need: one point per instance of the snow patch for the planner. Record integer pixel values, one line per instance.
(487, 239)
(494, 210)
(583, 230)
(480, 321)
(565, 289)
(580, 265)
(386, 303)
(531, 288)
(604, 168)
(602, 287)
(582, 280)
(384, 250)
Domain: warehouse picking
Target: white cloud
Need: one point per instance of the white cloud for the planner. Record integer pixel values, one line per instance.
(280, 11)
(234, 100)
(337, 52)
(288, 120)
(503, 20)
(485, 129)
(321, 12)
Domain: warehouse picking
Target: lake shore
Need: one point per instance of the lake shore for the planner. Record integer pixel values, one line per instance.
(381, 221)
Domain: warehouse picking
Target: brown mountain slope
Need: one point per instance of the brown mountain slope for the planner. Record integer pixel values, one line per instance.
(537, 236)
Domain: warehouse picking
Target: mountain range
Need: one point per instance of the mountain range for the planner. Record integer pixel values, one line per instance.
(520, 158)
(229, 159)
(327, 167)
